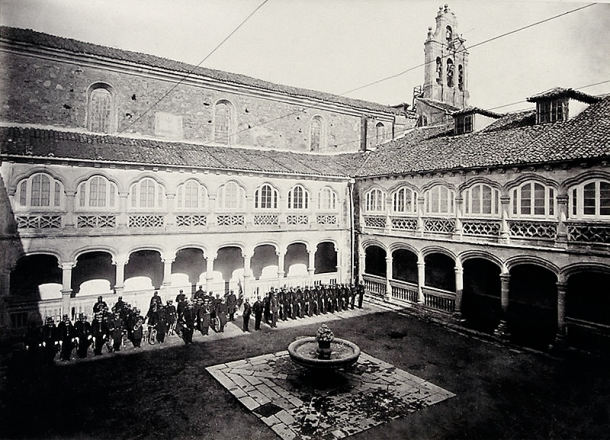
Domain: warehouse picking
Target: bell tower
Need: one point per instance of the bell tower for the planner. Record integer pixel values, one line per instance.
(446, 69)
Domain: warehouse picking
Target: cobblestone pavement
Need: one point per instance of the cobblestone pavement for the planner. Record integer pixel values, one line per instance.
(300, 404)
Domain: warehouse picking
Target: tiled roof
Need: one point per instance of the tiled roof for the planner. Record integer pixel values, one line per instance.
(439, 105)
(29, 36)
(510, 141)
(46, 143)
(481, 111)
(559, 92)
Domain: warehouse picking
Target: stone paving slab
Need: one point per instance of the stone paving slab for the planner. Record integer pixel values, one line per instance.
(297, 403)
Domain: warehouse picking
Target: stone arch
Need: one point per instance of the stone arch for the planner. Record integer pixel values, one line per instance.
(375, 260)
(93, 265)
(264, 254)
(33, 270)
(482, 291)
(404, 264)
(440, 269)
(583, 177)
(529, 177)
(477, 253)
(104, 125)
(479, 179)
(143, 263)
(326, 257)
(517, 260)
(17, 178)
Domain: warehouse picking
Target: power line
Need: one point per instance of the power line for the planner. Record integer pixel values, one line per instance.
(414, 67)
(194, 68)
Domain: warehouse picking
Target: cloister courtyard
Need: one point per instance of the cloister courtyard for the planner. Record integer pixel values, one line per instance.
(491, 391)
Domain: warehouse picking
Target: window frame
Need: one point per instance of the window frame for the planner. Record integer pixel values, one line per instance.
(517, 201)
(159, 196)
(375, 201)
(395, 201)
(469, 201)
(430, 193)
(92, 111)
(292, 199)
(25, 189)
(202, 196)
(327, 199)
(576, 200)
(266, 198)
(239, 199)
(84, 190)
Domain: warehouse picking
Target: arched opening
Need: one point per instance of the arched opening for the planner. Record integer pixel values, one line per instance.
(91, 268)
(375, 261)
(440, 272)
(481, 306)
(189, 264)
(532, 310)
(296, 263)
(31, 272)
(588, 311)
(264, 256)
(404, 266)
(146, 264)
(229, 259)
(326, 258)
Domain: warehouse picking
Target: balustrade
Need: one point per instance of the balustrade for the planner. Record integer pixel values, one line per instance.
(439, 300)
(403, 291)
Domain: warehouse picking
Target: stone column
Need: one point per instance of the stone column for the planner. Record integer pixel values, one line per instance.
(70, 217)
(502, 331)
(312, 265)
(457, 233)
(504, 228)
(280, 267)
(210, 271)
(66, 286)
(361, 263)
(122, 219)
(388, 276)
(562, 229)
(459, 290)
(170, 218)
(420, 213)
(119, 284)
(562, 289)
(339, 267)
(247, 274)
(167, 274)
(5, 287)
(421, 280)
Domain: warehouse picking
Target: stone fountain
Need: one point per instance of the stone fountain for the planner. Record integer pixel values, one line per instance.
(323, 351)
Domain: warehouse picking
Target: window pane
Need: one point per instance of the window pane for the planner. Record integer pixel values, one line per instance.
(526, 199)
(222, 122)
(486, 199)
(589, 198)
(539, 199)
(476, 199)
(100, 110)
(315, 134)
(604, 198)
(23, 191)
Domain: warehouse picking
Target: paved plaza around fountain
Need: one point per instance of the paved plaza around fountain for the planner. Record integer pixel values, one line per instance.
(296, 402)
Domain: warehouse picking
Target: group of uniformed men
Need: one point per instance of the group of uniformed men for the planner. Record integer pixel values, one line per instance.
(112, 327)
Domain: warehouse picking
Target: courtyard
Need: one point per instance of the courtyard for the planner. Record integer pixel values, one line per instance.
(483, 390)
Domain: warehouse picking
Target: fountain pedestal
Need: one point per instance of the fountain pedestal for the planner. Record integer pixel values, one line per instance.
(341, 353)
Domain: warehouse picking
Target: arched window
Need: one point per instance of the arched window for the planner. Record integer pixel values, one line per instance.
(439, 70)
(404, 201)
(380, 133)
(265, 197)
(100, 109)
(439, 200)
(375, 201)
(482, 199)
(298, 198)
(449, 33)
(590, 199)
(231, 197)
(450, 68)
(532, 199)
(147, 193)
(460, 77)
(327, 199)
(223, 122)
(191, 195)
(97, 192)
(40, 191)
(316, 134)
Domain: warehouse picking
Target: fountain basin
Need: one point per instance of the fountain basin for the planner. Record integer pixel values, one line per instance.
(304, 352)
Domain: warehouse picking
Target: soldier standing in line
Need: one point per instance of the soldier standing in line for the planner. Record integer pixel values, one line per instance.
(67, 336)
(170, 315)
(200, 293)
(137, 332)
(274, 308)
(360, 294)
(82, 329)
(161, 326)
(32, 340)
(257, 308)
(49, 340)
(98, 331)
(267, 307)
(352, 296)
(246, 315)
(222, 311)
(116, 332)
(231, 305)
(203, 318)
(100, 305)
(187, 321)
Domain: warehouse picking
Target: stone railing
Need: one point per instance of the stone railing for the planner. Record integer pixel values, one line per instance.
(532, 229)
(96, 221)
(404, 291)
(439, 300)
(146, 221)
(589, 233)
(39, 221)
(191, 220)
(374, 285)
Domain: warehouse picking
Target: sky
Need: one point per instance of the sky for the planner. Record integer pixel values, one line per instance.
(337, 46)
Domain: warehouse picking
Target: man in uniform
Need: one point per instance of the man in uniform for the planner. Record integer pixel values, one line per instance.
(274, 309)
(246, 314)
(49, 340)
(187, 321)
(82, 329)
(231, 305)
(222, 311)
(257, 308)
(360, 294)
(170, 315)
(100, 305)
(67, 338)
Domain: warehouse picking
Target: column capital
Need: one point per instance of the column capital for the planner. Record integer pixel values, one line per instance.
(122, 261)
(67, 266)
